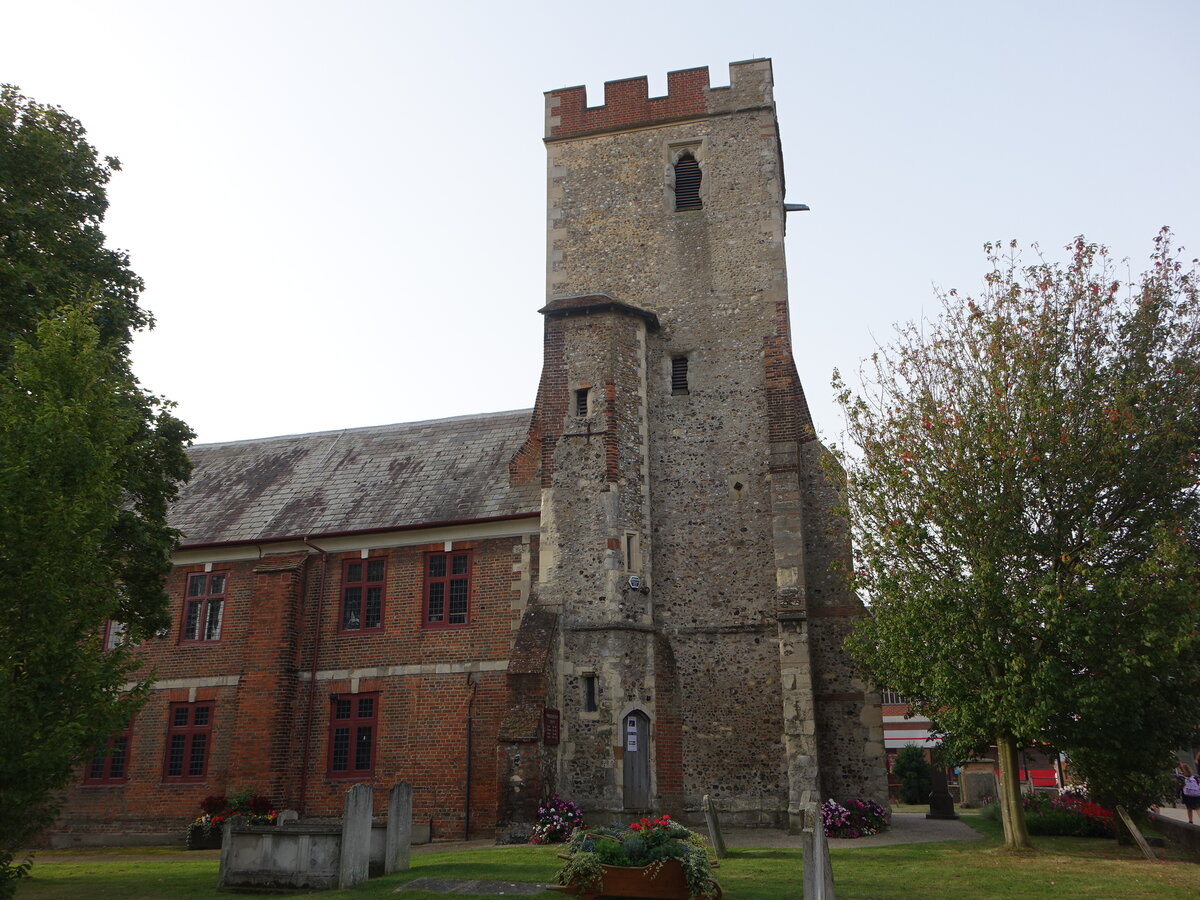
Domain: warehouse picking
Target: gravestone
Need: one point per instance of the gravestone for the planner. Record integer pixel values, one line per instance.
(1138, 837)
(941, 804)
(398, 838)
(714, 827)
(978, 782)
(355, 858)
(818, 874)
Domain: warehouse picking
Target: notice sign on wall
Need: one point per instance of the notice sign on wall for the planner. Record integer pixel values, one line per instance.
(550, 726)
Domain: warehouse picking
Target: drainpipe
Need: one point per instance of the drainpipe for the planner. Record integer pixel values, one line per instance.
(472, 683)
(312, 680)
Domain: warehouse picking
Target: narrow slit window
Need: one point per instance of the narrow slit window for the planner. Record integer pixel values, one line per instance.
(581, 402)
(589, 693)
(687, 183)
(679, 375)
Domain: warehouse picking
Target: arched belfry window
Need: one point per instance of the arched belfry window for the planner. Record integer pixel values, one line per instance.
(687, 183)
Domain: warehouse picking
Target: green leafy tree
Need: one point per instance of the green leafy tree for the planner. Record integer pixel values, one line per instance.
(914, 774)
(1024, 505)
(52, 201)
(88, 464)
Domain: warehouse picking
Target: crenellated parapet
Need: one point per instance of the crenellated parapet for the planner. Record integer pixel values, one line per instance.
(627, 103)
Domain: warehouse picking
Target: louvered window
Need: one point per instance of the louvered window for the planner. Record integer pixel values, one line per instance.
(581, 398)
(687, 183)
(679, 375)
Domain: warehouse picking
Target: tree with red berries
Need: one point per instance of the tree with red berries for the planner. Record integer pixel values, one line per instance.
(1024, 505)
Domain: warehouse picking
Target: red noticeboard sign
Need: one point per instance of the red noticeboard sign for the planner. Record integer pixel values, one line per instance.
(550, 726)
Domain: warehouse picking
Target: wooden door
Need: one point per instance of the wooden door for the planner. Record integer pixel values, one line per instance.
(636, 733)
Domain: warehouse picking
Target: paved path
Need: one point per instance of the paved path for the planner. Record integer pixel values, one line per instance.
(1178, 813)
(907, 828)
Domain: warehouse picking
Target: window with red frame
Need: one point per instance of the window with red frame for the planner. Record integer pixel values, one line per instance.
(362, 594)
(114, 634)
(353, 722)
(110, 765)
(204, 606)
(189, 736)
(447, 588)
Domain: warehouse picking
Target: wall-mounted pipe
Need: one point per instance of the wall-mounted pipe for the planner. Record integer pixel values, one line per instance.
(472, 683)
(312, 679)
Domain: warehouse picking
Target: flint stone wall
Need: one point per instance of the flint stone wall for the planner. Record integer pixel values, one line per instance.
(748, 694)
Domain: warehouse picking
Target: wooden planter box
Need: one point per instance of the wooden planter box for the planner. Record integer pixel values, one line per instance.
(623, 881)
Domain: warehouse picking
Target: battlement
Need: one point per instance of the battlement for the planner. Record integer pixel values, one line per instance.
(627, 103)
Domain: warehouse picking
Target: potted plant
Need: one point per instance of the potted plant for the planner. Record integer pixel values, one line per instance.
(650, 858)
(557, 820)
(204, 833)
(858, 818)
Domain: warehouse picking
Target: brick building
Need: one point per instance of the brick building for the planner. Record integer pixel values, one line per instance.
(626, 594)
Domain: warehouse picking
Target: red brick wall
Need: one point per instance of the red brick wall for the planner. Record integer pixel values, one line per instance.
(668, 727)
(260, 726)
(627, 103)
(536, 456)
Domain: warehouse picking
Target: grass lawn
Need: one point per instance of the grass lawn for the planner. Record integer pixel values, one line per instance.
(1059, 868)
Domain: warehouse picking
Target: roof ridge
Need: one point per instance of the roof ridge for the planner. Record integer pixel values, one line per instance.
(363, 428)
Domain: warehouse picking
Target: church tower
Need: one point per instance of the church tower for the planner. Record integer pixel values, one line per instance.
(687, 621)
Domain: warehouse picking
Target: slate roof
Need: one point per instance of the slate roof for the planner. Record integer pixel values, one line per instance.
(360, 479)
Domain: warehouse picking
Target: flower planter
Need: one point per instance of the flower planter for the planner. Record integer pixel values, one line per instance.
(197, 839)
(667, 883)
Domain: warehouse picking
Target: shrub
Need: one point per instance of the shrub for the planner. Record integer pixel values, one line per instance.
(648, 842)
(1055, 821)
(858, 818)
(557, 818)
(1068, 814)
(259, 805)
(256, 808)
(914, 773)
(1096, 821)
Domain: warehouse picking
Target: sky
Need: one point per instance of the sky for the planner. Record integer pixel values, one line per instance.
(339, 208)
